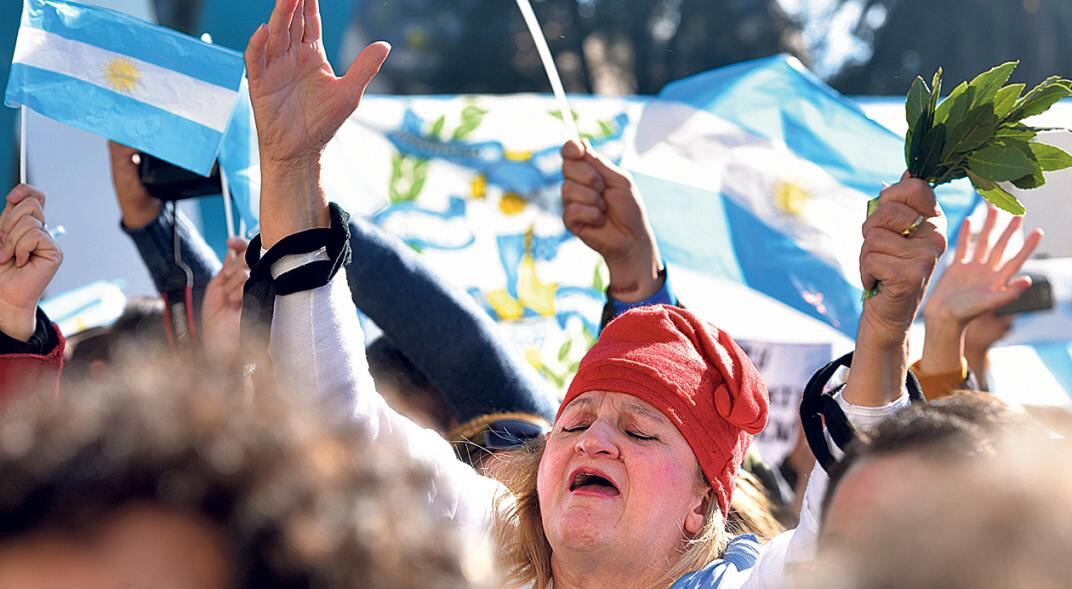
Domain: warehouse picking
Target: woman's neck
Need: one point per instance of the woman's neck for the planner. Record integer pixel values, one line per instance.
(583, 571)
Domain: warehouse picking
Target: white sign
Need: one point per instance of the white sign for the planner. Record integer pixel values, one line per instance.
(786, 368)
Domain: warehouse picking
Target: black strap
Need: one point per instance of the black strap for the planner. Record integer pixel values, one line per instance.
(819, 408)
(258, 300)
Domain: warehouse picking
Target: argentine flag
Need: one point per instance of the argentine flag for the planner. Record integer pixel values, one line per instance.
(759, 173)
(139, 84)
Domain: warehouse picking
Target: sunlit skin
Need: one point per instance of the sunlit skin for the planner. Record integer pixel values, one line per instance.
(875, 487)
(141, 546)
(637, 531)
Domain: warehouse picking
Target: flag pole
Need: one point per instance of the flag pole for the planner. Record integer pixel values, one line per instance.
(228, 214)
(22, 144)
(549, 66)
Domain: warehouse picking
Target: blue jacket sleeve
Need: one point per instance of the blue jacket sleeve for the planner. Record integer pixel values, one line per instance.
(441, 330)
(155, 244)
(664, 296)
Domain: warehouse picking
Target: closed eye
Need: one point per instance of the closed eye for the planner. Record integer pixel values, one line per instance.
(641, 436)
(576, 428)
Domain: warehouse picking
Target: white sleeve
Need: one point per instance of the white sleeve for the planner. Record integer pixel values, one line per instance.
(317, 345)
(799, 544)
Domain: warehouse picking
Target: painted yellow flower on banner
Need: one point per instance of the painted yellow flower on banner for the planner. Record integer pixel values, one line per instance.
(122, 75)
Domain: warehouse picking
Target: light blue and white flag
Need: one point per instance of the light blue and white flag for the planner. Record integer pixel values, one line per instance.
(136, 83)
(759, 173)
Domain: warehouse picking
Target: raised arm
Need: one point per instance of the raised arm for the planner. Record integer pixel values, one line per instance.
(152, 228)
(976, 284)
(441, 330)
(603, 208)
(903, 240)
(316, 341)
(31, 347)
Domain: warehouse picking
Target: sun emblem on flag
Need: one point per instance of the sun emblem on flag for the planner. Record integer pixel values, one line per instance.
(122, 75)
(791, 198)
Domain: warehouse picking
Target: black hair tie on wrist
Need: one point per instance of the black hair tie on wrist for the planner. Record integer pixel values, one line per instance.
(819, 407)
(258, 299)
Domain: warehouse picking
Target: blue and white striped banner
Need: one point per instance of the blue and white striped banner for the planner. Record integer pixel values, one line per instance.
(136, 83)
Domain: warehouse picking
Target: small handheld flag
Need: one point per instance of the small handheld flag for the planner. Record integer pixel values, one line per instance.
(136, 83)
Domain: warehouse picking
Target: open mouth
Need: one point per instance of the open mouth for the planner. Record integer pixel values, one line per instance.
(590, 482)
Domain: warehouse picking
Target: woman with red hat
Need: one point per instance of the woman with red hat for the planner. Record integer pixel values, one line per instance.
(632, 485)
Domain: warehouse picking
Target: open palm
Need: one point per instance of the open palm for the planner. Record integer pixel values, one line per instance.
(982, 282)
(298, 102)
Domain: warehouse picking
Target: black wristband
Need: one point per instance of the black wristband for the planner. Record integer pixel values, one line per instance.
(41, 343)
(258, 301)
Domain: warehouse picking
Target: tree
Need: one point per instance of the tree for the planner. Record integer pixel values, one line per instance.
(467, 46)
(964, 37)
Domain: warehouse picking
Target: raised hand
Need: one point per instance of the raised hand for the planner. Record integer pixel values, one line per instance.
(298, 102)
(903, 239)
(602, 207)
(138, 207)
(980, 281)
(221, 309)
(29, 259)
(977, 283)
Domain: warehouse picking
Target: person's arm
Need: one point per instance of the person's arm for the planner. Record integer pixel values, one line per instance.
(976, 284)
(152, 228)
(441, 330)
(903, 260)
(603, 208)
(31, 347)
(316, 341)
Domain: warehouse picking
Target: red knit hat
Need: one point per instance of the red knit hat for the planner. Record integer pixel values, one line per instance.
(693, 373)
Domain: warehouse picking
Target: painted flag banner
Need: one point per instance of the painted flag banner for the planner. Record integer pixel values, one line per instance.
(755, 178)
(133, 82)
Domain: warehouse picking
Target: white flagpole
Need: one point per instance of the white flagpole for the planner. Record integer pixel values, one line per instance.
(22, 144)
(549, 67)
(228, 215)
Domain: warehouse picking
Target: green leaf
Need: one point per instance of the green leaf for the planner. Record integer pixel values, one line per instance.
(933, 155)
(606, 128)
(597, 279)
(1000, 163)
(936, 91)
(1031, 181)
(564, 350)
(1018, 132)
(918, 145)
(1040, 98)
(1050, 158)
(437, 126)
(916, 102)
(953, 108)
(1006, 99)
(989, 83)
(971, 132)
(474, 112)
(998, 197)
(981, 183)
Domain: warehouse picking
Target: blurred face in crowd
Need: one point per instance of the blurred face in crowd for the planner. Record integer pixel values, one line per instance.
(617, 478)
(873, 488)
(139, 546)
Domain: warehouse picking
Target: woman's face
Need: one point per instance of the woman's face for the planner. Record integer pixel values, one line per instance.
(618, 479)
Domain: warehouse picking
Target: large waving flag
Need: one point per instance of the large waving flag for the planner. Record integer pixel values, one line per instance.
(136, 83)
(760, 173)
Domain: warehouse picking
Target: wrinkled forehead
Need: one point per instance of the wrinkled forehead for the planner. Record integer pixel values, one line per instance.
(600, 402)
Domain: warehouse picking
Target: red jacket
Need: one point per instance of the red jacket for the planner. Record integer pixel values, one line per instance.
(20, 373)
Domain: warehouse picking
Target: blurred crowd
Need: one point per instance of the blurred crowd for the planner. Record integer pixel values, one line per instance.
(239, 430)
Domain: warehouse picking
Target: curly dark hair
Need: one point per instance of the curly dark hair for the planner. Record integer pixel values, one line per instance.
(302, 498)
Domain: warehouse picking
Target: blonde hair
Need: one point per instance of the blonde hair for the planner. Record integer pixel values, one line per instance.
(525, 553)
